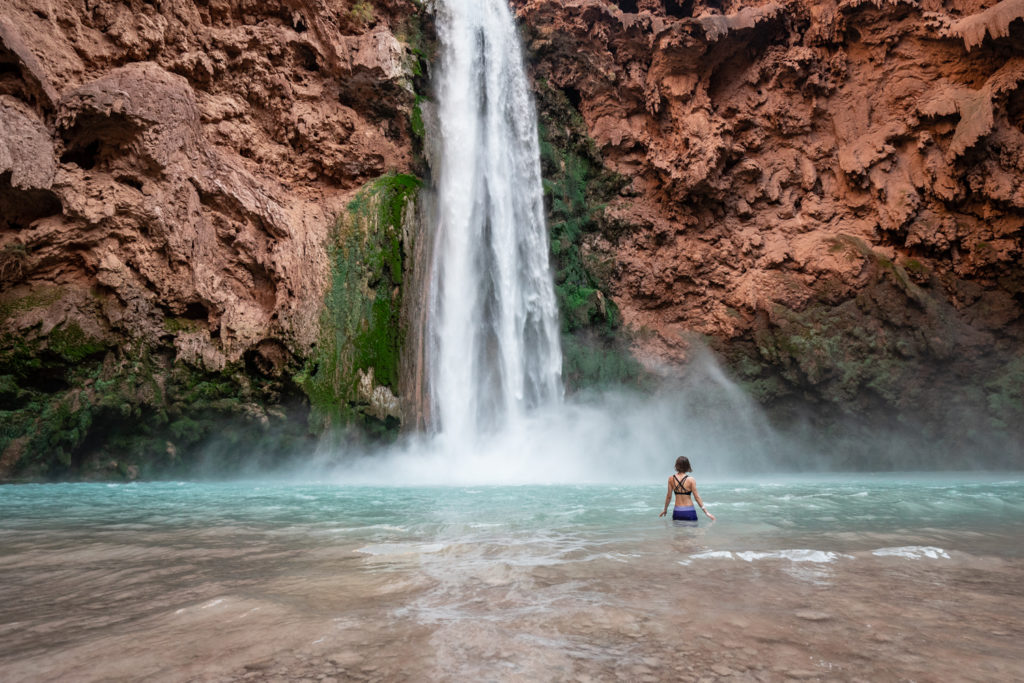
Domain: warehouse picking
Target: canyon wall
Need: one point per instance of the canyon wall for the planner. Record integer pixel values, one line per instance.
(170, 177)
(204, 214)
(829, 194)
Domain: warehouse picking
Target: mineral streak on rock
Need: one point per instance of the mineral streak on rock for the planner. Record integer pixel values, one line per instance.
(829, 191)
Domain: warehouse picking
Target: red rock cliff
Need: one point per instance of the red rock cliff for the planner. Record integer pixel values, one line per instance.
(832, 193)
(169, 175)
(184, 160)
(829, 193)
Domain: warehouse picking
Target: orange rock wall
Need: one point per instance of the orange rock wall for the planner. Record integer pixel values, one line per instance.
(184, 161)
(170, 175)
(830, 193)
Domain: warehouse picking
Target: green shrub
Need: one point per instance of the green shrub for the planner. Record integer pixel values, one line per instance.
(576, 189)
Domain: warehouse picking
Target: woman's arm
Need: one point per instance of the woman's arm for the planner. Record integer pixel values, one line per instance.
(696, 497)
(668, 497)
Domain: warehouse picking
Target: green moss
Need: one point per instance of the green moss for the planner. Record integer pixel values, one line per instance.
(360, 327)
(592, 364)
(576, 189)
(175, 325)
(18, 357)
(915, 267)
(72, 344)
(420, 50)
(875, 347)
(416, 118)
(362, 12)
(574, 186)
(74, 409)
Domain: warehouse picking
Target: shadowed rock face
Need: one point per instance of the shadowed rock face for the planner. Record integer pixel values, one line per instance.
(830, 192)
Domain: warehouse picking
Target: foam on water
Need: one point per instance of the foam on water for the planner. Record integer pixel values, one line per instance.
(792, 555)
(913, 552)
(400, 548)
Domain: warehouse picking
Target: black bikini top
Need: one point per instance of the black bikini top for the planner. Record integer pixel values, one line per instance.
(678, 489)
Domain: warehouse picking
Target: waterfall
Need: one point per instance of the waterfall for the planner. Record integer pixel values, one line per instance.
(493, 350)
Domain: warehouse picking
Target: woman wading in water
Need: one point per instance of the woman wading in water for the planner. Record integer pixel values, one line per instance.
(684, 487)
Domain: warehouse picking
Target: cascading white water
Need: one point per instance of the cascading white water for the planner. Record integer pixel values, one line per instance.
(493, 346)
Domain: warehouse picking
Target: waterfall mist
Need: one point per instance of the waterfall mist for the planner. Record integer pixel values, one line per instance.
(610, 437)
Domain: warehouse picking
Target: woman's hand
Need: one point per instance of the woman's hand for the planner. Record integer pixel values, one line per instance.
(663, 513)
(710, 516)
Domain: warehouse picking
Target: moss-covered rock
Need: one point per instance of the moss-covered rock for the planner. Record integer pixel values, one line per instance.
(72, 344)
(352, 377)
(892, 350)
(577, 187)
(40, 297)
(71, 406)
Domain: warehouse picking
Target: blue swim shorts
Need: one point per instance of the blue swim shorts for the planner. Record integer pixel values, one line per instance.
(684, 512)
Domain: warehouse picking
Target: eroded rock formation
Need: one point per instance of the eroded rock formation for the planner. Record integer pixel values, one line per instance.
(830, 193)
(169, 176)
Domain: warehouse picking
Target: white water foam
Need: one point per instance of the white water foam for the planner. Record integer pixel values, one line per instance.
(913, 552)
(386, 549)
(793, 555)
(910, 552)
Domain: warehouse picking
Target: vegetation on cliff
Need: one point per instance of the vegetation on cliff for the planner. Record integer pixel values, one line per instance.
(758, 138)
(161, 261)
(862, 355)
(352, 376)
(74, 405)
(576, 188)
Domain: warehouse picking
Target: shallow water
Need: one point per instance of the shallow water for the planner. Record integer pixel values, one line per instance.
(866, 577)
